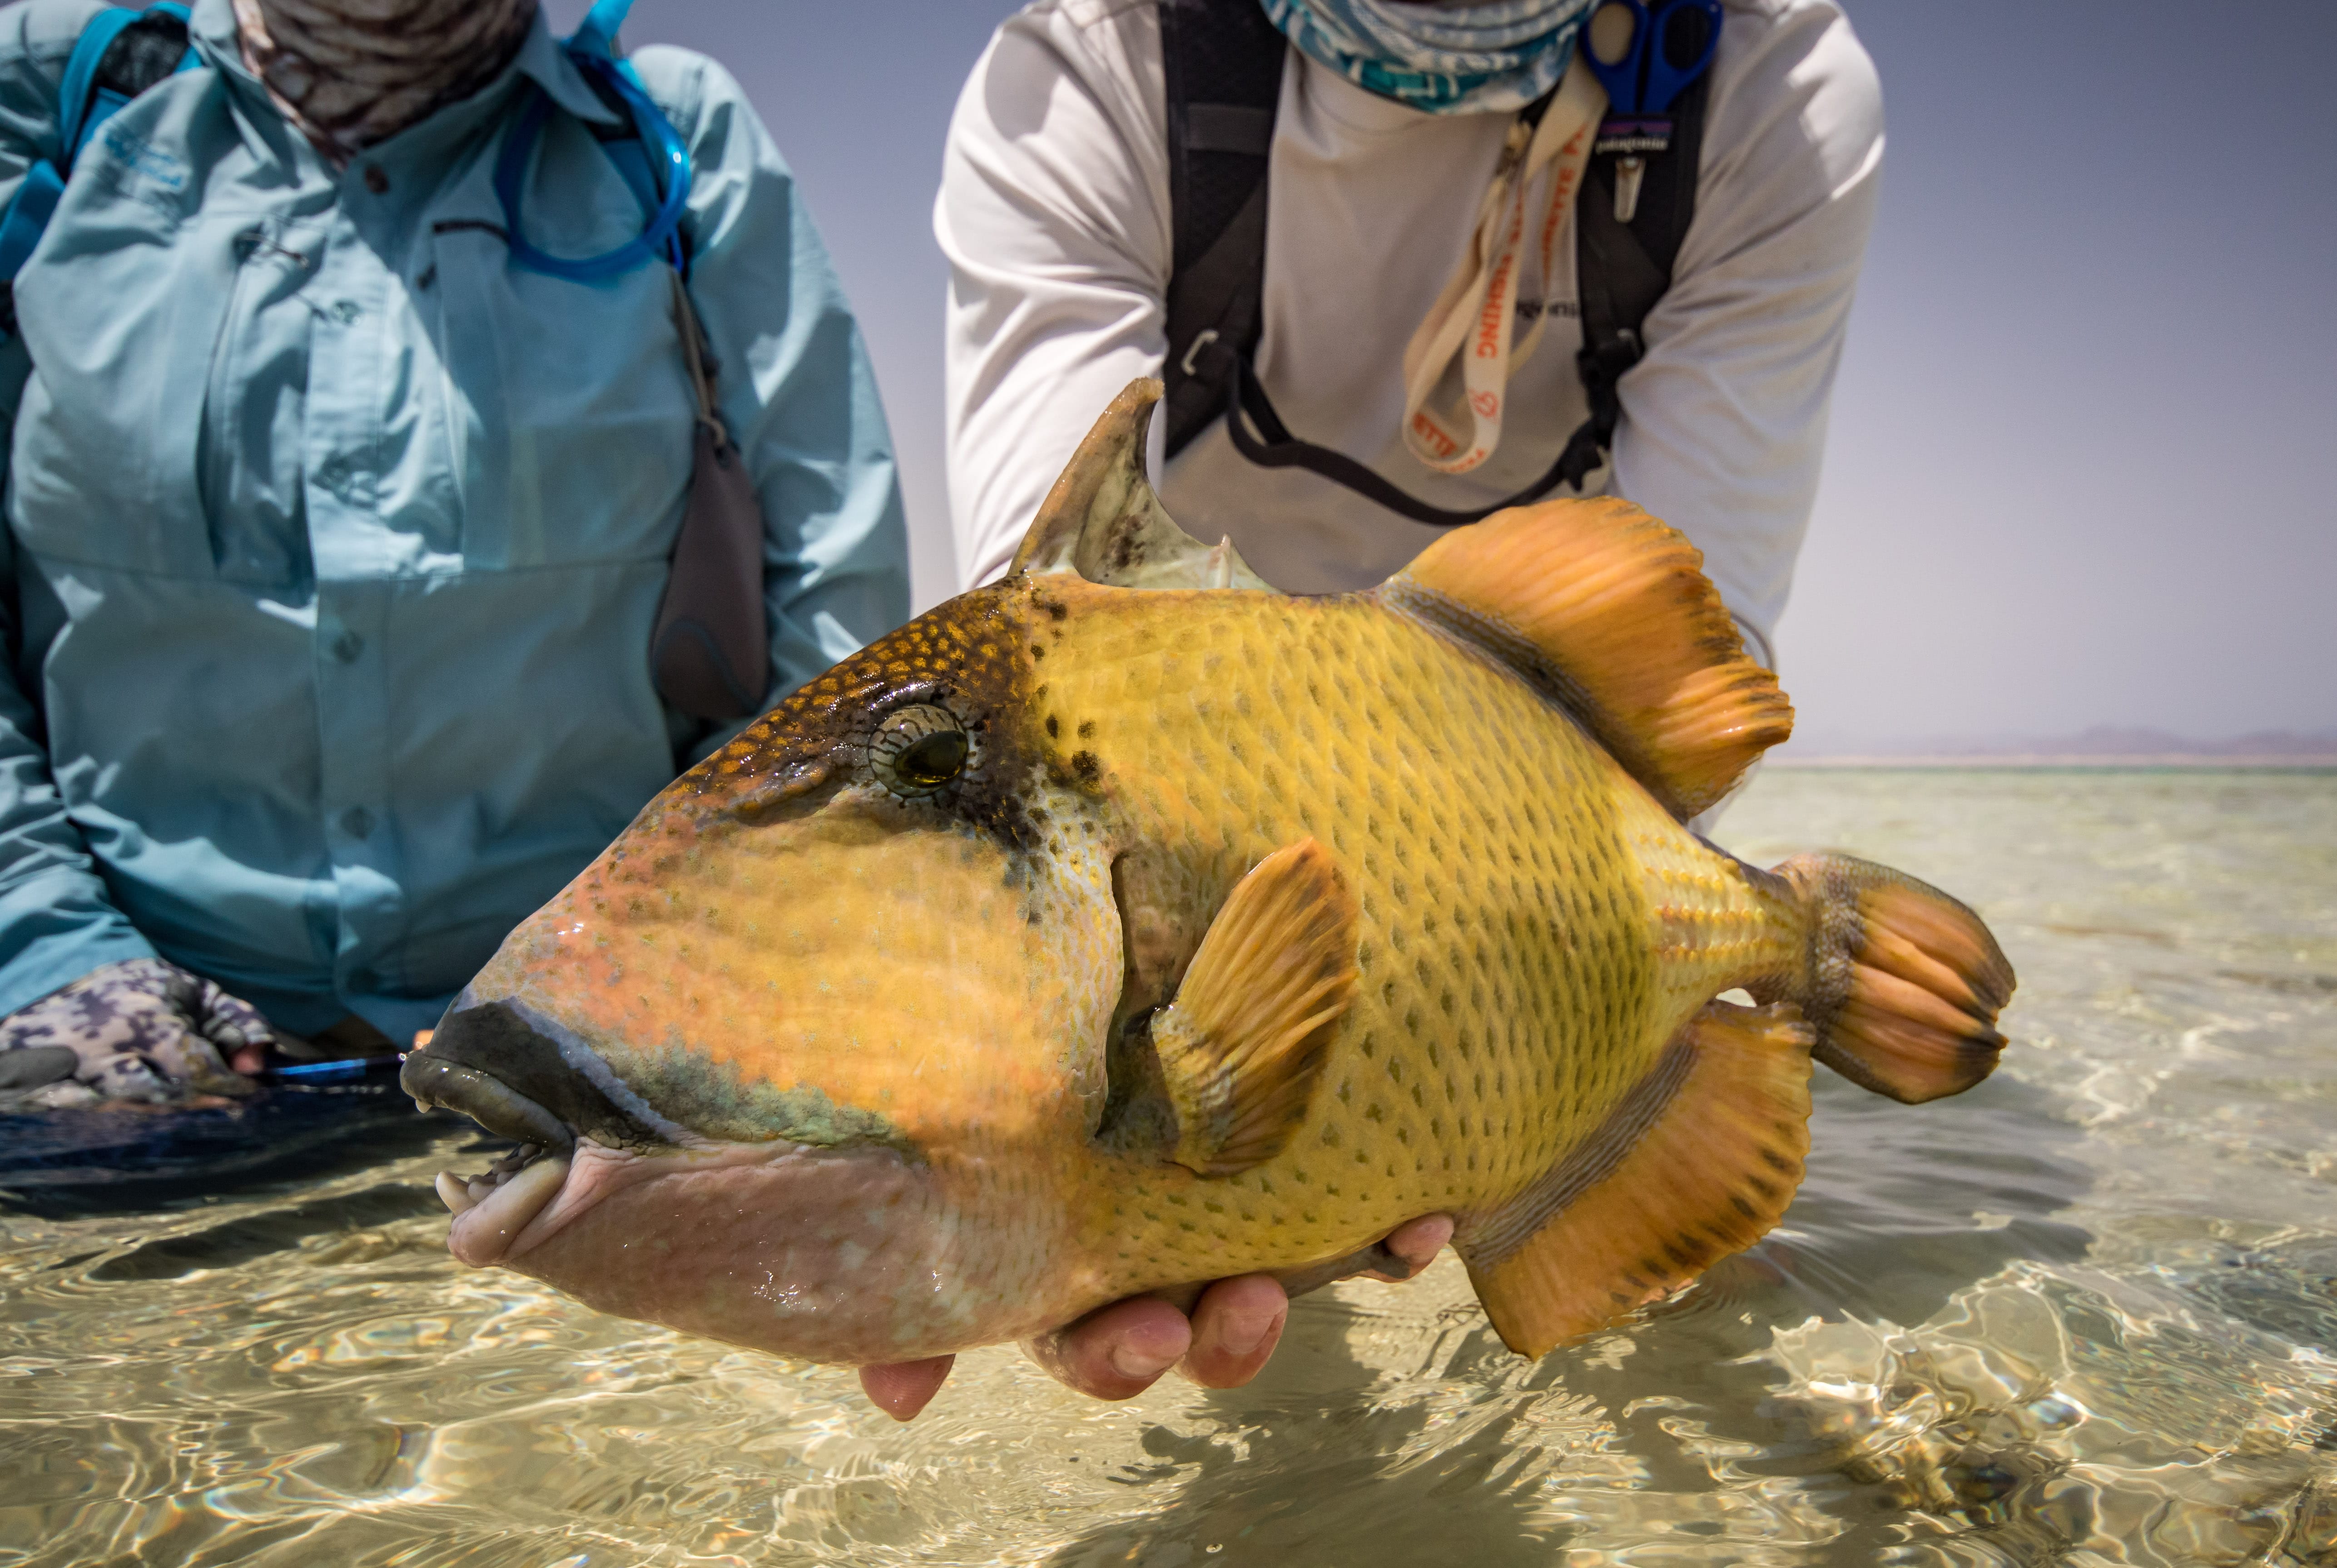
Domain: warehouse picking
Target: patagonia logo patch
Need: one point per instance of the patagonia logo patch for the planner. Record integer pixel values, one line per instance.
(1634, 135)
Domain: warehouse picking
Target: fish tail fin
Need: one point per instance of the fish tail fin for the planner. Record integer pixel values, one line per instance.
(1901, 983)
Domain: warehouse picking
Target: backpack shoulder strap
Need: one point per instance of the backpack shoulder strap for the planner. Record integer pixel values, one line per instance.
(1623, 268)
(119, 54)
(1221, 65)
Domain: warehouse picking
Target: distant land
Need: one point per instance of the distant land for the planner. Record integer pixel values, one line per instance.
(2102, 746)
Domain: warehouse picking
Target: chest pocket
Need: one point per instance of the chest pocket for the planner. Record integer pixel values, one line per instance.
(569, 405)
(126, 310)
(249, 442)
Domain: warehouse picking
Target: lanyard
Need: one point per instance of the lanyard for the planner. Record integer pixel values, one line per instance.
(1475, 320)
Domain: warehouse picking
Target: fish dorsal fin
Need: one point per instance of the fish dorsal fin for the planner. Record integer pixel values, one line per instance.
(1102, 520)
(1611, 611)
(1698, 1160)
(1242, 1044)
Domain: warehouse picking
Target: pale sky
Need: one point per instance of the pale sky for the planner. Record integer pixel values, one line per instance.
(2083, 466)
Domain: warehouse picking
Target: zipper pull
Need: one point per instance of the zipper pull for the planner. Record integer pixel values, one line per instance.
(1629, 173)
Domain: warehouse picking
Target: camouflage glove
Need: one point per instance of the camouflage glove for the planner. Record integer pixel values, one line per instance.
(140, 1029)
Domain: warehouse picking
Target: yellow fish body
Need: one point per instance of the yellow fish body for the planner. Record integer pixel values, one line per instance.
(1126, 925)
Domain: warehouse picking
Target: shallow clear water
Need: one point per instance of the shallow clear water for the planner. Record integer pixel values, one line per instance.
(2084, 1314)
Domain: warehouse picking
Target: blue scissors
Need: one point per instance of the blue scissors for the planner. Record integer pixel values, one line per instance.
(1645, 56)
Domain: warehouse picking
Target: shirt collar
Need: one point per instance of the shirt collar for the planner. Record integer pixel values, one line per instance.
(541, 59)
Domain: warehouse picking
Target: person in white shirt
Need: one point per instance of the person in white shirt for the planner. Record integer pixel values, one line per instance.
(1423, 162)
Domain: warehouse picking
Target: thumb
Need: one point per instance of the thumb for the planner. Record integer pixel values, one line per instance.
(231, 1022)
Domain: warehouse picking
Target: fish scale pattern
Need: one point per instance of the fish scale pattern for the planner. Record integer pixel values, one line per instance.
(1509, 994)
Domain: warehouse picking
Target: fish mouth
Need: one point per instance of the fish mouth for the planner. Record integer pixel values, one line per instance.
(495, 1209)
(855, 1253)
(529, 1078)
(533, 1194)
(522, 1076)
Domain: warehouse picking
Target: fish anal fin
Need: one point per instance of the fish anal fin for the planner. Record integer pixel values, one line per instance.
(1103, 521)
(1241, 1046)
(1610, 609)
(1698, 1162)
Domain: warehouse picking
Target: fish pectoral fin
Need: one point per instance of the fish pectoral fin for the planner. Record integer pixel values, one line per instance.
(1241, 1046)
(1698, 1160)
(1103, 521)
(1609, 610)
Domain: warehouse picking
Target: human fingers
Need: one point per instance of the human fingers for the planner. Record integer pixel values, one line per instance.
(1236, 1324)
(902, 1388)
(1115, 1352)
(1416, 1244)
(170, 1043)
(242, 1035)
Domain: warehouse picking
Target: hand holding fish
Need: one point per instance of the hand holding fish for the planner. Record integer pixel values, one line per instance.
(1118, 1351)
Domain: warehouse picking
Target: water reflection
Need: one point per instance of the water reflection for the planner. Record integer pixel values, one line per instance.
(2084, 1314)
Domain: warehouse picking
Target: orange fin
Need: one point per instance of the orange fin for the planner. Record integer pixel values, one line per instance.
(1609, 611)
(1904, 985)
(1697, 1162)
(1242, 1044)
(1102, 520)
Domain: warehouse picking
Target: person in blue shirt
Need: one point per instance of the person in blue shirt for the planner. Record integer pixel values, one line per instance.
(335, 537)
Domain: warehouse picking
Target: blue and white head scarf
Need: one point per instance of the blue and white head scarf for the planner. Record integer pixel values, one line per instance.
(1442, 59)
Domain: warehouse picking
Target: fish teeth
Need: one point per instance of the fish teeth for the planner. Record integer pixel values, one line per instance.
(513, 1163)
(483, 1234)
(454, 1192)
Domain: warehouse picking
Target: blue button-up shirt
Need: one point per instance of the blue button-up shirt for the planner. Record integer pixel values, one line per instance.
(334, 539)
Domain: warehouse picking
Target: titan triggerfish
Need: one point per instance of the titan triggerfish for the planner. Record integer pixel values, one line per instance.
(1127, 924)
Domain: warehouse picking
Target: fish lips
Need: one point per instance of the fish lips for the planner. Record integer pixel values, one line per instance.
(526, 1076)
(847, 1255)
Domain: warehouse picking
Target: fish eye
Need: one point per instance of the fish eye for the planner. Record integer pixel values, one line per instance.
(918, 750)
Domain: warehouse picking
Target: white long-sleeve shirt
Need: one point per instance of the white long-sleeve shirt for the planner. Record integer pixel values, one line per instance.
(1054, 213)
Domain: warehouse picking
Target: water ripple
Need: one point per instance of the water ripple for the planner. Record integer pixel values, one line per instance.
(2087, 1314)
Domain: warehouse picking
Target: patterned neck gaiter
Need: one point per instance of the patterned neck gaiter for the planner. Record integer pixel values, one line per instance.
(1448, 59)
(351, 73)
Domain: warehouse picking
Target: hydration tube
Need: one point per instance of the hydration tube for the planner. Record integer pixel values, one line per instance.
(590, 49)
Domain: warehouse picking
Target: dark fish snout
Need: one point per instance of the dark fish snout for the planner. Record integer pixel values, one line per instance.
(512, 1076)
(486, 1100)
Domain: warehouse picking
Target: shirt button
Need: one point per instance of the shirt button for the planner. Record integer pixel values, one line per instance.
(348, 646)
(344, 311)
(357, 822)
(376, 179)
(338, 475)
